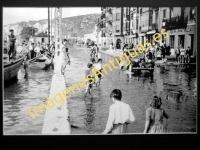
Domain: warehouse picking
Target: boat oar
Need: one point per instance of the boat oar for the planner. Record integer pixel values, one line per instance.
(34, 58)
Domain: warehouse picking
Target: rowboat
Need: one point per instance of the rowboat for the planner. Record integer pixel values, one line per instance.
(43, 58)
(11, 68)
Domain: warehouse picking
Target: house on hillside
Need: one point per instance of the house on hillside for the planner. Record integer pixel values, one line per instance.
(41, 37)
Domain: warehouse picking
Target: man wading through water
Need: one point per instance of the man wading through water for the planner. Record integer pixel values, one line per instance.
(11, 45)
(65, 57)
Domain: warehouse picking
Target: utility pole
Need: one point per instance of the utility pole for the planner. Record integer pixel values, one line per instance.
(58, 30)
(51, 26)
(48, 26)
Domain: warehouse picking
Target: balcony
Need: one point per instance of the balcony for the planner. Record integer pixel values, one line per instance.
(146, 28)
(175, 23)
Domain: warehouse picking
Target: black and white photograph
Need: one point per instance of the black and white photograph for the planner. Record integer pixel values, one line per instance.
(99, 70)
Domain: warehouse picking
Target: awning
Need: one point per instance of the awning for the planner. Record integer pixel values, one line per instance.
(142, 34)
(151, 32)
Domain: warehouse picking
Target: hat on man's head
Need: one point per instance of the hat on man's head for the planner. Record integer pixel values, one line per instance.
(11, 30)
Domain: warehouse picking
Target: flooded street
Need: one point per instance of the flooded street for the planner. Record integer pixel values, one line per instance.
(23, 94)
(90, 116)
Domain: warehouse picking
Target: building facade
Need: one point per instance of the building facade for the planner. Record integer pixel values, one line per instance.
(180, 23)
(137, 24)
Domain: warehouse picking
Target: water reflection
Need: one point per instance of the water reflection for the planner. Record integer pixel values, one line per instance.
(23, 93)
(137, 92)
(89, 116)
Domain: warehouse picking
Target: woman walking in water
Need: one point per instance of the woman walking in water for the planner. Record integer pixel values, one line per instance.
(154, 117)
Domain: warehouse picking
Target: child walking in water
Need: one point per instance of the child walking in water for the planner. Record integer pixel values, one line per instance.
(99, 68)
(120, 115)
(154, 117)
(90, 75)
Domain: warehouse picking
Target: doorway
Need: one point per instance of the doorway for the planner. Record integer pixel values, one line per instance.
(181, 40)
(118, 44)
(191, 42)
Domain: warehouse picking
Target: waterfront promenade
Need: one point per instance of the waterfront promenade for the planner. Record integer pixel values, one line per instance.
(56, 119)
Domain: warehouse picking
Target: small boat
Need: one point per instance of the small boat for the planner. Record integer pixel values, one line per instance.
(43, 58)
(11, 68)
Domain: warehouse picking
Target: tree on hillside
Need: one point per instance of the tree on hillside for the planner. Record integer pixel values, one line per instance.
(27, 32)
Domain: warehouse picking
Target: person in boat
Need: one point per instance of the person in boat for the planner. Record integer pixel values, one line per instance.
(120, 115)
(31, 49)
(11, 44)
(155, 116)
(89, 74)
(142, 64)
(48, 62)
(38, 49)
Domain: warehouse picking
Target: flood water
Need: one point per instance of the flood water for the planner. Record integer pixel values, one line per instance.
(90, 116)
(22, 94)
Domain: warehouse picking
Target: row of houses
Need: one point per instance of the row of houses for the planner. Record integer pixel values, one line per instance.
(135, 24)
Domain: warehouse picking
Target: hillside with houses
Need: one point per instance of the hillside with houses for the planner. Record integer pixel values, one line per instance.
(71, 26)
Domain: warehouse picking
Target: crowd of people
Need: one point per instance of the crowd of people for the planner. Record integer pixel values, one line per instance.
(36, 49)
(157, 52)
(120, 113)
(95, 62)
(182, 55)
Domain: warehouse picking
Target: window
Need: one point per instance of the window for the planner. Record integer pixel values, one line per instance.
(172, 15)
(181, 40)
(117, 16)
(164, 13)
(192, 13)
(127, 24)
(171, 42)
(117, 28)
(137, 24)
(127, 10)
(42, 40)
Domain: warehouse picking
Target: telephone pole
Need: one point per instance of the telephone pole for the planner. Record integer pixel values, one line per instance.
(48, 26)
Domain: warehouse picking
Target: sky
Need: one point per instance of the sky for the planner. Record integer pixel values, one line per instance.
(17, 14)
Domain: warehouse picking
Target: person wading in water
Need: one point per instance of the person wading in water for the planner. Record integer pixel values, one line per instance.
(120, 115)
